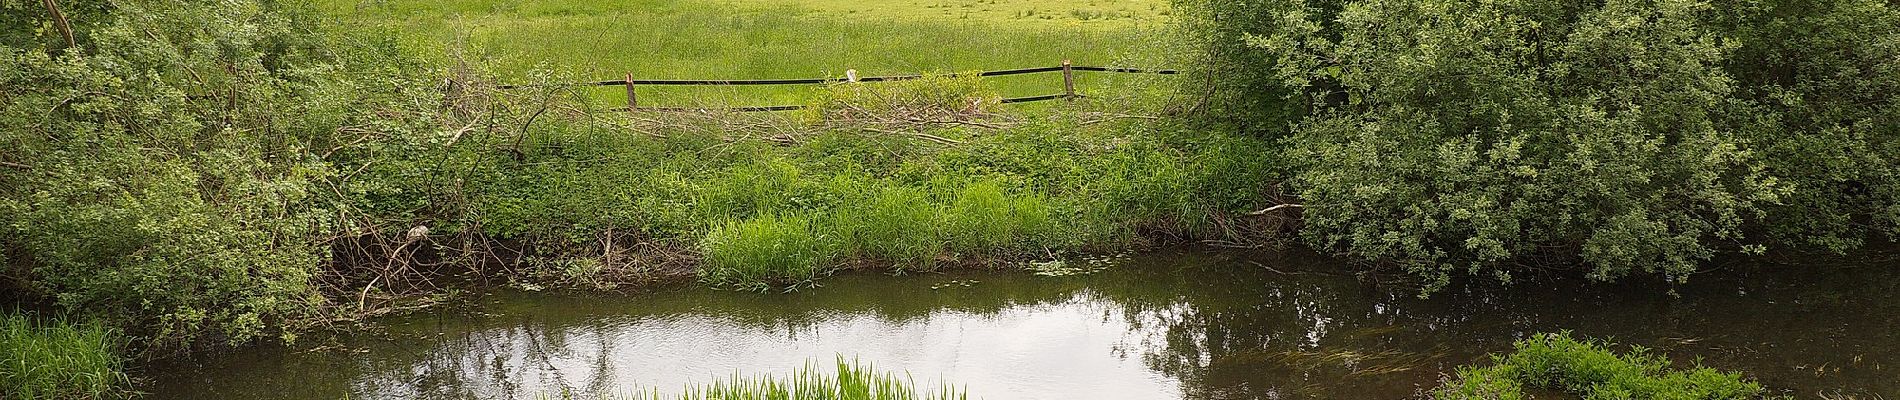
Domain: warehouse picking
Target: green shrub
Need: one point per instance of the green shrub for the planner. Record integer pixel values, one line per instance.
(1241, 86)
(767, 251)
(1454, 137)
(1820, 78)
(53, 359)
(1589, 369)
(167, 174)
(764, 186)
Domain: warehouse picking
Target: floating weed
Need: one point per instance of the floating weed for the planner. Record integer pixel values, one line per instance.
(955, 283)
(1083, 266)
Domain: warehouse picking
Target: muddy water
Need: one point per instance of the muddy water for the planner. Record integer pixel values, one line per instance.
(1187, 325)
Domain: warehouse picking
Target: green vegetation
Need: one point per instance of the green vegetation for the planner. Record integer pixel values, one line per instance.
(762, 39)
(1452, 137)
(760, 252)
(851, 381)
(222, 172)
(768, 215)
(1590, 370)
(179, 179)
(54, 359)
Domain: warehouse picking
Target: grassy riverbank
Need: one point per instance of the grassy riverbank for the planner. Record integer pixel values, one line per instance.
(759, 213)
(306, 177)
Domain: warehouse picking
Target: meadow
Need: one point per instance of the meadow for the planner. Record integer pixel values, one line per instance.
(587, 40)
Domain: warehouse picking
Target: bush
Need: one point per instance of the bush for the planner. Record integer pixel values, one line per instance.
(53, 359)
(767, 251)
(1463, 137)
(160, 174)
(1822, 82)
(1588, 369)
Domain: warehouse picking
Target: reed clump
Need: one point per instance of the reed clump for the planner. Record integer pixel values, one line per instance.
(844, 380)
(57, 359)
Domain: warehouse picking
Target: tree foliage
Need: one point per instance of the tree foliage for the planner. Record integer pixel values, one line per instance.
(168, 172)
(1452, 136)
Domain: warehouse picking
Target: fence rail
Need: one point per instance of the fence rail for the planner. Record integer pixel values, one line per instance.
(633, 99)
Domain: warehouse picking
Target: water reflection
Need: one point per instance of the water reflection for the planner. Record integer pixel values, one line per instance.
(1190, 325)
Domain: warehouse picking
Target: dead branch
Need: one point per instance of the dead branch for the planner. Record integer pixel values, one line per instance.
(925, 136)
(1267, 210)
(1105, 117)
(59, 19)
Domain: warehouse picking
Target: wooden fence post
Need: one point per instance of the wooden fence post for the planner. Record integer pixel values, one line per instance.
(1068, 81)
(633, 101)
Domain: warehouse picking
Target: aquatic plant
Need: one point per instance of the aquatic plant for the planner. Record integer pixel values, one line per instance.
(1556, 361)
(850, 380)
(59, 359)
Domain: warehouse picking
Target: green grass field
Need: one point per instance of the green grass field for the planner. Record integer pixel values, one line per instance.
(760, 39)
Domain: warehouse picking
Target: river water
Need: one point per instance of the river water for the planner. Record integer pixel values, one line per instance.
(1172, 325)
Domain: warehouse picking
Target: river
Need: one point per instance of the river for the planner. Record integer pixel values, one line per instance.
(1188, 324)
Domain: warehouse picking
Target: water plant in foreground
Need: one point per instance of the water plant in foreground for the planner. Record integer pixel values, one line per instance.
(55, 359)
(1581, 367)
(850, 381)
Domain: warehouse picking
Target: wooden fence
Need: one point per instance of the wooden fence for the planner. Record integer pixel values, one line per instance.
(1067, 70)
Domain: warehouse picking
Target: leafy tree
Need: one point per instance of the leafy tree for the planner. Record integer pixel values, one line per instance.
(1823, 82)
(1462, 135)
(1483, 137)
(174, 171)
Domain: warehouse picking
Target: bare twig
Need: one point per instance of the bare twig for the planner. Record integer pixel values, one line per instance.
(457, 137)
(925, 136)
(1264, 211)
(359, 140)
(1112, 117)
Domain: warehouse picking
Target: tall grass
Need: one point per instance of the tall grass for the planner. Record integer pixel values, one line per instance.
(984, 219)
(55, 359)
(766, 251)
(849, 380)
(899, 224)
